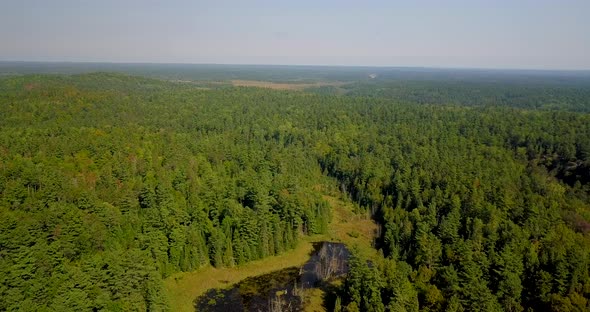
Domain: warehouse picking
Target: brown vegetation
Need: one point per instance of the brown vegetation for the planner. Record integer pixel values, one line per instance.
(284, 86)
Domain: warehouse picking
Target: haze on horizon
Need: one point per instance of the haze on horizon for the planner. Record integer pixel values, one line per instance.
(458, 33)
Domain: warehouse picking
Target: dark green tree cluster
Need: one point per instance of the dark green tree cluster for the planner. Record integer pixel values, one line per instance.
(362, 290)
(482, 209)
(470, 89)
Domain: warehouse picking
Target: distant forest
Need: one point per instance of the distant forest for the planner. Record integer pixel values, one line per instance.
(111, 182)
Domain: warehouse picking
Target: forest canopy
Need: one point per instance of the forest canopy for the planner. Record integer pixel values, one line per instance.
(110, 183)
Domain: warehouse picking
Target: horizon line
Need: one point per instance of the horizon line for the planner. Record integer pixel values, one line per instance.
(306, 65)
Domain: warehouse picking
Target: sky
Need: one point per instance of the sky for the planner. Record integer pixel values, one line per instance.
(527, 34)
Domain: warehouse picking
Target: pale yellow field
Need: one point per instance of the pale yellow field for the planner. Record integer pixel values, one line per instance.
(283, 86)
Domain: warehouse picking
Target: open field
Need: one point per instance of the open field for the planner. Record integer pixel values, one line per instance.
(353, 230)
(285, 86)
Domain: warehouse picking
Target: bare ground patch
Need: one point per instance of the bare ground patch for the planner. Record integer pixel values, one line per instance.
(284, 86)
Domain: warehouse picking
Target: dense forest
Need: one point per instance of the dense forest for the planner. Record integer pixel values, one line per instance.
(521, 93)
(110, 183)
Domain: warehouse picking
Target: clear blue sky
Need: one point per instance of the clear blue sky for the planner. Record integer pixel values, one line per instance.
(476, 33)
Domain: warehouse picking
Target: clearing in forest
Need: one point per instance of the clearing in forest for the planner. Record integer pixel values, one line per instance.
(346, 226)
(285, 86)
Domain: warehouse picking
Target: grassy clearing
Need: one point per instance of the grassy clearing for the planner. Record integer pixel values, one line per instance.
(182, 288)
(313, 300)
(353, 230)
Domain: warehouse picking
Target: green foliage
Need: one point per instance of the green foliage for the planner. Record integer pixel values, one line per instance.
(363, 286)
(109, 183)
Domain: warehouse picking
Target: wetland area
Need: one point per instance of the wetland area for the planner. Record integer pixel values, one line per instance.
(280, 290)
